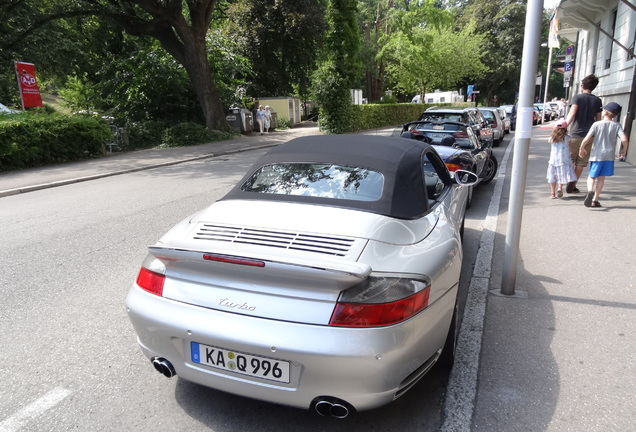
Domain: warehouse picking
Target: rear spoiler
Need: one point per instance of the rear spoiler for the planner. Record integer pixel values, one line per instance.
(338, 266)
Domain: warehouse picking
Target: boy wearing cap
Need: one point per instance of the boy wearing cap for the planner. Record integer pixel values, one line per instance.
(602, 135)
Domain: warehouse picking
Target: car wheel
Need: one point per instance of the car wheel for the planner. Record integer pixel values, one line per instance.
(490, 169)
(447, 356)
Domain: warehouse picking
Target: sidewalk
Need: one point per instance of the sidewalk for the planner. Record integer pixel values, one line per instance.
(562, 358)
(557, 357)
(120, 163)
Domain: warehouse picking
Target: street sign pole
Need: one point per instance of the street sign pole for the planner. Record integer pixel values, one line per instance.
(547, 82)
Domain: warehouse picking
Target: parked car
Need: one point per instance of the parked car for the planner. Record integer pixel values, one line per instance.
(470, 116)
(326, 279)
(536, 115)
(511, 112)
(556, 109)
(482, 161)
(496, 124)
(547, 115)
(505, 119)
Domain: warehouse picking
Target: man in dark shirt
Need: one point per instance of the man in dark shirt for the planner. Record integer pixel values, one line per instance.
(584, 111)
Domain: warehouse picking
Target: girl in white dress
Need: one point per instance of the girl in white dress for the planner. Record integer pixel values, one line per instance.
(560, 167)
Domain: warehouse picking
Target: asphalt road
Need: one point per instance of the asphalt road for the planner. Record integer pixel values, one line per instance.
(69, 358)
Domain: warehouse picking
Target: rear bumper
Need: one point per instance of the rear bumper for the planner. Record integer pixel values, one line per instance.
(365, 367)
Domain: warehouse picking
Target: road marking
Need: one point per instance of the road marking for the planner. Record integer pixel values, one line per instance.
(461, 392)
(29, 412)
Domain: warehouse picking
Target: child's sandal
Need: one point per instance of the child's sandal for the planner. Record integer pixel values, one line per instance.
(596, 204)
(553, 196)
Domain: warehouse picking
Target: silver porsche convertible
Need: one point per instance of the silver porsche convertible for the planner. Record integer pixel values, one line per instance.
(326, 279)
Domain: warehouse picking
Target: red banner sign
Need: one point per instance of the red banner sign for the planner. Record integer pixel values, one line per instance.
(29, 91)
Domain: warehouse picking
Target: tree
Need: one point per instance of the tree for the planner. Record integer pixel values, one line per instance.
(423, 51)
(390, 25)
(180, 26)
(340, 67)
(281, 39)
(426, 58)
(503, 22)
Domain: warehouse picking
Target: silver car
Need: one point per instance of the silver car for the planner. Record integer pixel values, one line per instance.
(326, 279)
(495, 122)
(505, 118)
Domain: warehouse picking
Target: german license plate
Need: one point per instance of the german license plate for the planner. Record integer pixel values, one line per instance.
(242, 363)
(437, 135)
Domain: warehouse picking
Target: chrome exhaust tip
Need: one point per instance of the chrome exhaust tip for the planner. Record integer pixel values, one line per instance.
(328, 406)
(163, 366)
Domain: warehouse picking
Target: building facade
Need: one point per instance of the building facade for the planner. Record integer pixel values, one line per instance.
(603, 34)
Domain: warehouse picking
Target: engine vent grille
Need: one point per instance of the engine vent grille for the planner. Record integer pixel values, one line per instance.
(336, 246)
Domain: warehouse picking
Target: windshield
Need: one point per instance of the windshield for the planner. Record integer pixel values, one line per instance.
(317, 180)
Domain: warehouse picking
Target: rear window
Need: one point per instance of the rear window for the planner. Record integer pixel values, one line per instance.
(317, 180)
(443, 117)
(488, 114)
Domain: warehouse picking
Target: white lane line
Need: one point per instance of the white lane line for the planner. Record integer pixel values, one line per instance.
(34, 409)
(462, 384)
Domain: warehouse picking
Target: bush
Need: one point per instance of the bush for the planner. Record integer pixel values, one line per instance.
(188, 134)
(145, 134)
(333, 96)
(38, 139)
(283, 124)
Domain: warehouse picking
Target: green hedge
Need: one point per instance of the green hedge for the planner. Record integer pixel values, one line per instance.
(373, 116)
(34, 140)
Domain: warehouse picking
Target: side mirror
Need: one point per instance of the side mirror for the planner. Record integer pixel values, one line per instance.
(466, 178)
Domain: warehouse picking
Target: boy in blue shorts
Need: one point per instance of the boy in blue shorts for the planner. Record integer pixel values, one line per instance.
(602, 135)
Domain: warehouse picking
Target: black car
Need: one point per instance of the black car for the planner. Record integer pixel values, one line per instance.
(459, 137)
(471, 116)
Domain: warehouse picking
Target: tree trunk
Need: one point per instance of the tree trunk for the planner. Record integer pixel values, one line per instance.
(198, 69)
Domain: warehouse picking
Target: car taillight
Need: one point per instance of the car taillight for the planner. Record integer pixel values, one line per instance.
(234, 260)
(152, 275)
(150, 281)
(380, 301)
(494, 125)
(460, 134)
(453, 167)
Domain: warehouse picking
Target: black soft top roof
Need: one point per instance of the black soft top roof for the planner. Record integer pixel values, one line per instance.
(398, 160)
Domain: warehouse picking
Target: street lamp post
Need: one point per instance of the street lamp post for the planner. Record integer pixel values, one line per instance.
(547, 82)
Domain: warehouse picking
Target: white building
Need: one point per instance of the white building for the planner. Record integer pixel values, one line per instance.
(440, 97)
(603, 33)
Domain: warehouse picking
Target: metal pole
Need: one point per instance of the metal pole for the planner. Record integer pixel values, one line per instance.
(547, 83)
(523, 134)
